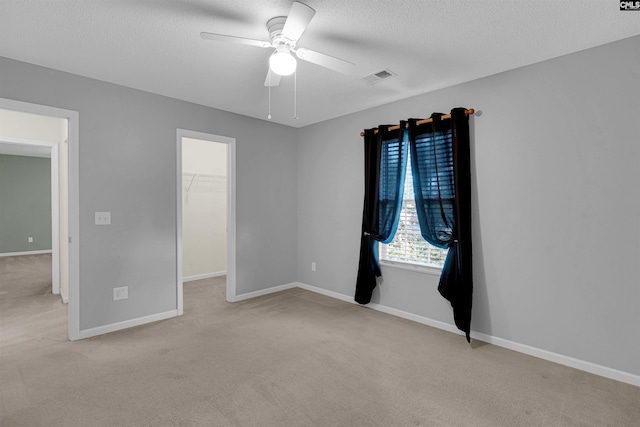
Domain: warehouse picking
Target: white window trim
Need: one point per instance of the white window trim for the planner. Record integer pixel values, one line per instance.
(419, 268)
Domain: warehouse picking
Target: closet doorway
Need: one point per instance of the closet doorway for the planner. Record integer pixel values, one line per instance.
(206, 210)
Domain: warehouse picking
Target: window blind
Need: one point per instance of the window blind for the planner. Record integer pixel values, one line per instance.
(408, 245)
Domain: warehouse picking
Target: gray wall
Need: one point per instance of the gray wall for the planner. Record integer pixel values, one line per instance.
(556, 205)
(127, 152)
(25, 203)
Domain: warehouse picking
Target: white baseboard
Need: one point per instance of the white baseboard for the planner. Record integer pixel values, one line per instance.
(65, 298)
(582, 365)
(267, 291)
(561, 359)
(384, 309)
(45, 251)
(86, 333)
(203, 276)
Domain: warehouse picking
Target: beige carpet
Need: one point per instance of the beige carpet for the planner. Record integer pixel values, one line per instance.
(25, 275)
(293, 358)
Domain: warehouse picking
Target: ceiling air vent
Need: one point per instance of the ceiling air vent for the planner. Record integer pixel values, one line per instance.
(378, 76)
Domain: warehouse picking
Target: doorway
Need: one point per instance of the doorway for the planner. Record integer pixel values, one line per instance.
(64, 188)
(34, 150)
(205, 210)
(31, 212)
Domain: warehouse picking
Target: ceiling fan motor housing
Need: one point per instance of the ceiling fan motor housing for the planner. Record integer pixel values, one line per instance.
(275, 26)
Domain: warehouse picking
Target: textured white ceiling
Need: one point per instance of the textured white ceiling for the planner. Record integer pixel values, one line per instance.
(156, 46)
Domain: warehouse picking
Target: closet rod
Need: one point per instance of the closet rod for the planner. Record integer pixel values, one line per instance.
(469, 112)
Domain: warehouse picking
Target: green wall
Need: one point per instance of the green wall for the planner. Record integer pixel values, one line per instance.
(25, 203)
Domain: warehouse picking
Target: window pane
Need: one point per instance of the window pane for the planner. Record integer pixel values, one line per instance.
(408, 244)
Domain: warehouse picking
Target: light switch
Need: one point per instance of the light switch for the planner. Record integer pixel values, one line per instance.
(103, 218)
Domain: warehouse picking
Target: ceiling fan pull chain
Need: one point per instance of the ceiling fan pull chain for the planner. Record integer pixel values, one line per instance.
(269, 114)
(295, 95)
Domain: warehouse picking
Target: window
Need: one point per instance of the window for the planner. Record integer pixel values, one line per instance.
(408, 245)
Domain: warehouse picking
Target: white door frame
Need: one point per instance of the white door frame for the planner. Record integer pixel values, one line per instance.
(22, 148)
(231, 211)
(74, 204)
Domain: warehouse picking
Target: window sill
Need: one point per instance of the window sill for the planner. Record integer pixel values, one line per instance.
(436, 271)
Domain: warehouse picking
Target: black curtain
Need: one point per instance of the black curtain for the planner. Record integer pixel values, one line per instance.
(441, 165)
(385, 154)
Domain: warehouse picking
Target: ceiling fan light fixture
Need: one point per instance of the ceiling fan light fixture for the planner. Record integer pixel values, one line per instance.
(282, 63)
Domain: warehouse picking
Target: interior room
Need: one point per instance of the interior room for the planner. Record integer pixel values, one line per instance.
(272, 334)
(34, 209)
(204, 209)
(25, 190)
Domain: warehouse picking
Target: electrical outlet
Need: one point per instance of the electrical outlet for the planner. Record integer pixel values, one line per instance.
(120, 293)
(30, 239)
(313, 266)
(103, 218)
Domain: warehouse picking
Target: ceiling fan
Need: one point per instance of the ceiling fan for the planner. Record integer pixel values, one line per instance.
(284, 33)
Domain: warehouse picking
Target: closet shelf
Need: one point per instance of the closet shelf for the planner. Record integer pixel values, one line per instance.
(203, 179)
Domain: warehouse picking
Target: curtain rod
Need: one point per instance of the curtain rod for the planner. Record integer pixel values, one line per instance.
(469, 112)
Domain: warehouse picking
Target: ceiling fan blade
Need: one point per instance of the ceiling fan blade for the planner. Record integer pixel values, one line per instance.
(233, 39)
(326, 61)
(299, 17)
(272, 79)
